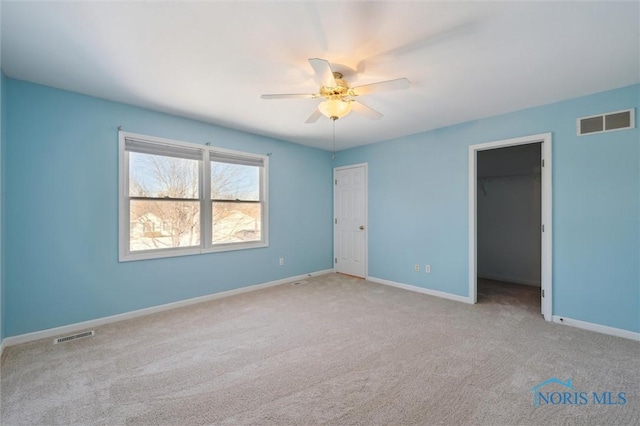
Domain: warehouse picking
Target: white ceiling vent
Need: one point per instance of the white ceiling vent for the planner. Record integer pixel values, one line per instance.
(619, 120)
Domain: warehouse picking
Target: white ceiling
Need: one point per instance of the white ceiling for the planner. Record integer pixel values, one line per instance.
(212, 60)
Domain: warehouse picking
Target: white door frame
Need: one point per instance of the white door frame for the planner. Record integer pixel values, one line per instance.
(546, 218)
(366, 214)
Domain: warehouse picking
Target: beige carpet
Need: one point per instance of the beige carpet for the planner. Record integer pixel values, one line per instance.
(334, 350)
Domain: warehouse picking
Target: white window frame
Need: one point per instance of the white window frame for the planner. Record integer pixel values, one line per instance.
(206, 244)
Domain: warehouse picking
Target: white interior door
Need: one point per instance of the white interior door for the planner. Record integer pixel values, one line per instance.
(350, 220)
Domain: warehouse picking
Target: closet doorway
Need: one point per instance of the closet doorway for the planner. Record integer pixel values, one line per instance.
(510, 222)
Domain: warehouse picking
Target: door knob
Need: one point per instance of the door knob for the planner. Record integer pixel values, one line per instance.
(362, 227)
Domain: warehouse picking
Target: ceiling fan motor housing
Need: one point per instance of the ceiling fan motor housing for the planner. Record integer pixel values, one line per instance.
(339, 91)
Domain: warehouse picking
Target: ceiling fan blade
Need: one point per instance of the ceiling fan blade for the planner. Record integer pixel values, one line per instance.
(324, 75)
(314, 116)
(365, 110)
(382, 86)
(451, 34)
(290, 96)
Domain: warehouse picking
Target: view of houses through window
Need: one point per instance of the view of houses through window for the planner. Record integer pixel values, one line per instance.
(165, 200)
(236, 207)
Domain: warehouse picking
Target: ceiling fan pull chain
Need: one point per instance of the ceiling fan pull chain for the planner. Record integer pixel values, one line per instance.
(334, 140)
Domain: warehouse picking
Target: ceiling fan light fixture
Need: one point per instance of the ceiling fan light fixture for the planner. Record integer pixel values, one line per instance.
(335, 108)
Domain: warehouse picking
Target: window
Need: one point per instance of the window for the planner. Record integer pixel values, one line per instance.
(178, 198)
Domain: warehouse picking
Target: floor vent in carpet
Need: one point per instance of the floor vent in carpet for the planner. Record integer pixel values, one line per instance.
(299, 282)
(74, 337)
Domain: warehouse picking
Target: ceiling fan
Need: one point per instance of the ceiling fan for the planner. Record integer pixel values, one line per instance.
(339, 98)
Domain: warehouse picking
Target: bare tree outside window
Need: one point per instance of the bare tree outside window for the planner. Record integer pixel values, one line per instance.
(165, 206)
(235, 195)
(180, 198)
(164, 196)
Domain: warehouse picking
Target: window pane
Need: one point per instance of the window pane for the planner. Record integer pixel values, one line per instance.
(236, 222)
(157, 176)
(235, 182)
(159, 224)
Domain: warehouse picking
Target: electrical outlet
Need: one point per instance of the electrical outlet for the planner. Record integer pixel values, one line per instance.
(416, 267)
(281, 261)
(427, 269)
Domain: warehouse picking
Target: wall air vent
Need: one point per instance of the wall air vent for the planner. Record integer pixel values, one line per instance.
(74, 337)
(619, 120)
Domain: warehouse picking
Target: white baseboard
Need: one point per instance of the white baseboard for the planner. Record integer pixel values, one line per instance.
(618, 332)
(71, 328)
(510, 280)
(423, 290)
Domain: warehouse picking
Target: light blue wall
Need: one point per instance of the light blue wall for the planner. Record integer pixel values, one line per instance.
(2, 204)
(60, 210)
(62, 216)
(418, 204)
